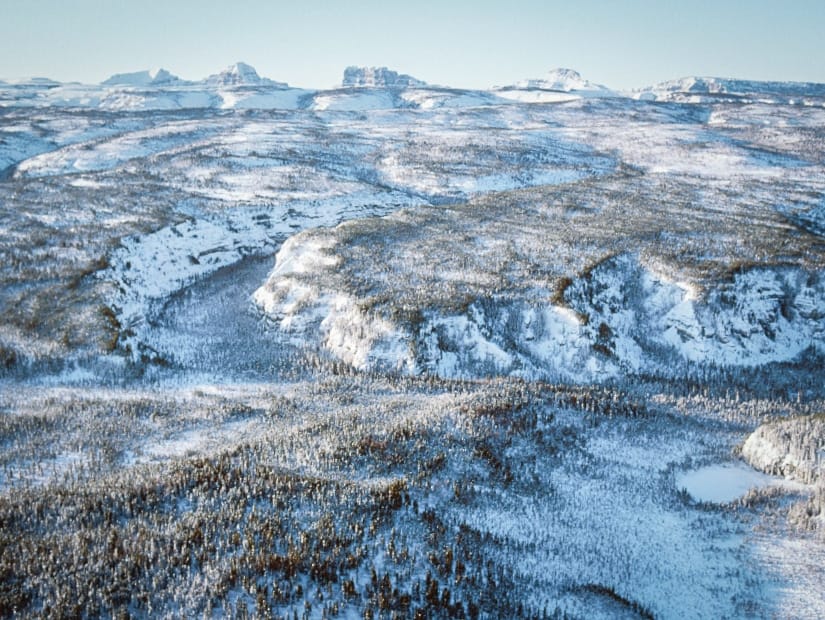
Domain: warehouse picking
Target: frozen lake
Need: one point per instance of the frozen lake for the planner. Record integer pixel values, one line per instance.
(723, 483)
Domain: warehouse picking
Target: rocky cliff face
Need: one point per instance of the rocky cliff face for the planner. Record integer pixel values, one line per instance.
(378, 77)
(155, 78)
(720, 89)
(241, 74)
(561, 79)
(616, 318)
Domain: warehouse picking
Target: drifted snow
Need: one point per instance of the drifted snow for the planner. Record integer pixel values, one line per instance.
(434, 98)
(281, 99)
(536, 96)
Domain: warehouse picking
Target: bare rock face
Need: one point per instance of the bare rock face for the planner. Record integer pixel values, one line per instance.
(708, 89)
(561, 79)
(153, 78)
(241, 74)
(378, 77)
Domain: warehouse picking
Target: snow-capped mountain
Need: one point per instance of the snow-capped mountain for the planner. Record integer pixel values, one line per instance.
(378, 77)
(556, 86)
(369, 88)
(32, 82)
(561, 79)
(240, 75)
(697, 89)
(156, 77)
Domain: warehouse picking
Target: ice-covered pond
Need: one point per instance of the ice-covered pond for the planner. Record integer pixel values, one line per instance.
(724, 482)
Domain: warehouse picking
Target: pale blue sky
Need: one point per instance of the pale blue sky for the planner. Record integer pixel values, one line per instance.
(469, 43)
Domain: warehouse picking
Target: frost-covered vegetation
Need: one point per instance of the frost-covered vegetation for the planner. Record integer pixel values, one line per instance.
(403, 351)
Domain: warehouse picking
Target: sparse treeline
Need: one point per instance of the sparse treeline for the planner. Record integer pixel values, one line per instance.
(318, 515)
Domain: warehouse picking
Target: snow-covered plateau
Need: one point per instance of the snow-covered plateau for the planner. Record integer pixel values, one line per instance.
(399, 350)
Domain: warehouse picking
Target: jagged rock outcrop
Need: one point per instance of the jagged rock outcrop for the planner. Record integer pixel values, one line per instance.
(156, 77)
(378, 77)
(699, 89)
(561, 79)
(239, 75)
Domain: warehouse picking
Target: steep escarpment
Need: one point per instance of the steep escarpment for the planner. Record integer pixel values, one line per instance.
(618, 317)
(793, 448)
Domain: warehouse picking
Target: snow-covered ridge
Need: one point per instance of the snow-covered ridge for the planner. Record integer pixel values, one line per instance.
(372, 88)
(698, 89)
(378, 77)
(629, 318)
(561, 79)
(156, 77)
(236, 87)
(33, 82)
(241, 74)
(619, 317)
(147, 269)
(556, 86)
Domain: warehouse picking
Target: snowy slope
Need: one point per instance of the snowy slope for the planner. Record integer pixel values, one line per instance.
(356, 100)
(148, 269)
(373, 88)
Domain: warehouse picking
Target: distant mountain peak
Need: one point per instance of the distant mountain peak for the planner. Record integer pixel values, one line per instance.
(378, 77)
(38, 82)
(561, 79)
(241, 74)
(716, 87)
(154, 77)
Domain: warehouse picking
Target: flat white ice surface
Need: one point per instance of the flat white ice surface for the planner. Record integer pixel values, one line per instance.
(723, 483)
